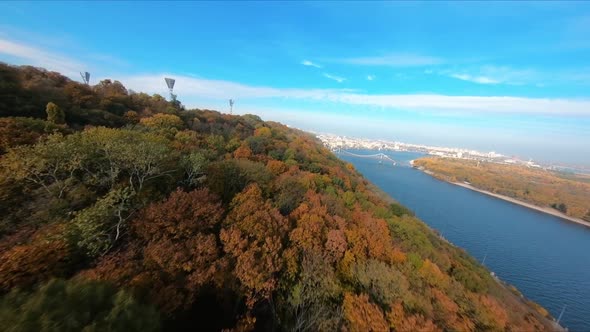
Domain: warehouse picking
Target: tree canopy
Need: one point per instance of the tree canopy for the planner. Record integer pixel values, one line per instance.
(153, 216)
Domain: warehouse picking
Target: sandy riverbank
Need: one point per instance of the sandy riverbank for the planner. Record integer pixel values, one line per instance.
(528, 205)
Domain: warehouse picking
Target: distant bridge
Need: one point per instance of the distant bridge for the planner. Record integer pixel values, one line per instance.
(380, 156)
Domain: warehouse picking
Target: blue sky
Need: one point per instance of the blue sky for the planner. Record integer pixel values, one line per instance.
(506, 76)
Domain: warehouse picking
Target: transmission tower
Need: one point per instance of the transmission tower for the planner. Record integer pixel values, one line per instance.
(170, 83)
(231, 106)
(85, 77)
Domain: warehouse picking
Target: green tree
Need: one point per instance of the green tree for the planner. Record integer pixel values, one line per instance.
(290, 194)
(560, 207)
(383, 283)
(76, 306)
(195, 165)
(311, 301)
(139, 156)
(257, 144)
(217, 143)
(228, 177)
(100, 157)
(98, 227)
(55, 114)
(50, 164)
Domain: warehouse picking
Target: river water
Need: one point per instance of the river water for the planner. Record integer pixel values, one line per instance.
(546, 258)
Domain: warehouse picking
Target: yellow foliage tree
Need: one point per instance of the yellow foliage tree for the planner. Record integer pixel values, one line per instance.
(163, 121)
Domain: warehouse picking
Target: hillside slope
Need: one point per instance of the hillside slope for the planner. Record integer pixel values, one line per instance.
(123, 211)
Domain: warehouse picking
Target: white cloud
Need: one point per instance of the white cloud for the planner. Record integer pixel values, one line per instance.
(335, 78)
(310, 64)
(503, 75)
(219, 89)
(193, 90)
(493, 104)
(395, 60)
(370, 77)
(198, 89)
(38, 57)
(475, 79)
(21, 53)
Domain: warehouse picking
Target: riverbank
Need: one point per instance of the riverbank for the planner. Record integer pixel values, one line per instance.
(521, 245)
(516, 201)
(507, 292)
(525, 204)
(545, 190)
(531, 206)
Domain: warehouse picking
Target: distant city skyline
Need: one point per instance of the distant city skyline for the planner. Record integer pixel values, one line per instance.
(337, 142)
(511, 77)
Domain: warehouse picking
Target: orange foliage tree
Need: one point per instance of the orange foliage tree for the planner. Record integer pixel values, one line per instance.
(175, 250)
(179, 234)
(402, 322)
(46, 255)
(253, 236)
(243, 152)
(362, 315)
(369, 237)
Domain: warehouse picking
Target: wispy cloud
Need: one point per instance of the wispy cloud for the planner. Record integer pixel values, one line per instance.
(310, 64)
(484, 104)
(370, 77)
(196, 89)
(491, 74)
(475, 79)
(39, 57)
(395, 60)
(497, 75)
(19, 52)
(334, 77)
(188, 86)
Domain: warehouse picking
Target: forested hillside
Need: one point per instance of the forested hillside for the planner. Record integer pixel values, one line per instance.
(121, 211)
(567, 194)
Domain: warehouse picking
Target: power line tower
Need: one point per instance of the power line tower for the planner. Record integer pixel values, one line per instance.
(85, 77)
(170, 83)
(231, 106)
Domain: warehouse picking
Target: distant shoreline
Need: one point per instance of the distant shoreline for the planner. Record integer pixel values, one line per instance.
(521, 203)
(546, 210)
(525, 204)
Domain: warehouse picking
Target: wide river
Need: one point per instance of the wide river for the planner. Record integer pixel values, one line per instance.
(546, 258)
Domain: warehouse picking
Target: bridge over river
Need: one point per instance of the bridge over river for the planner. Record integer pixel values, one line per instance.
(379, 156)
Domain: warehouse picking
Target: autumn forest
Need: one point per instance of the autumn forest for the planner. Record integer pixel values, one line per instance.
(122, 211)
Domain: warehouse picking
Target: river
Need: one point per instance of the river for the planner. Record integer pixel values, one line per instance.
(545, 257)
